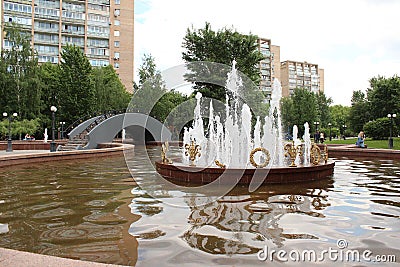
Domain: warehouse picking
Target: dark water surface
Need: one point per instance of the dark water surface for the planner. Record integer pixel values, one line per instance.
(92, 210)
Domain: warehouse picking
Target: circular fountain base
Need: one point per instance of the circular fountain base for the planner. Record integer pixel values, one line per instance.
(274, 175)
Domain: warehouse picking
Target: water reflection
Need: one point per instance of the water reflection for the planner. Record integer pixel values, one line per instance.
(92, 210)
(74, 209)
(359, 204)
(241, 223)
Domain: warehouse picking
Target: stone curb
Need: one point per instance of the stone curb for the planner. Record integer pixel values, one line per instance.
(106, 150)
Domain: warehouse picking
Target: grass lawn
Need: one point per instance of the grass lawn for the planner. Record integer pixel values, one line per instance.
(369, 142)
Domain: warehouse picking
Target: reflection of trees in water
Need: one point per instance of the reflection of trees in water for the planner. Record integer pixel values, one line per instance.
(241, 223)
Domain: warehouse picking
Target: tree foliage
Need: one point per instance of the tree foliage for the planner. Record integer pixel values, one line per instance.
(110, 93)
(77, 93)
(384, 96)
(359, 112)
(381, 99)
(19, 83)
(74, 87)
(300, 108)
(19, 127)
(380, 128)
(323, 104)
(339, 115)
(222, 46)
(151, 96)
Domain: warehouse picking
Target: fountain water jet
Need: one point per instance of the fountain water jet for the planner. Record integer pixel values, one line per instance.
(229, 144)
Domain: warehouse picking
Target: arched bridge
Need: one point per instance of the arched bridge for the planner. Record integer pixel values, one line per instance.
(103, 129)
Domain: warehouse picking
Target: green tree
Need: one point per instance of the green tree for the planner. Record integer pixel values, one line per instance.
(20, 86)
(50, 79)
(339, 115)
(384, 96)
(150, 88)
(298, 109)
(77, 93)
(109, 91)
(379, 128)
(359, 112)
(151, 96)
(323, 112)
(222, 46)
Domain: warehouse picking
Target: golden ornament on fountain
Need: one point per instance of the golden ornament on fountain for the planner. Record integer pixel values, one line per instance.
(315, 154)
(164, 150)
(292, 151)
(192, 150)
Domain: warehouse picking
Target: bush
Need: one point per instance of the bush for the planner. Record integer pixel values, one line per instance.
(19, 128)
(379, 128)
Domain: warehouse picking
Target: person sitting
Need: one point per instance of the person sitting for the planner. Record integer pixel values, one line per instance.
(360, 140)
(321, 137)
(27, 137)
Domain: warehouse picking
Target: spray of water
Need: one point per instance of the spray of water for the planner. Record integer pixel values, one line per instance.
(230, 141)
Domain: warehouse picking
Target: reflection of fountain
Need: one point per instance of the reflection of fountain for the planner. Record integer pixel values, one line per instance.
(232, 144)
(241, 224)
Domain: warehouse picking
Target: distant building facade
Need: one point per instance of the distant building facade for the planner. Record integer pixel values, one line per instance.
(103, 29)
(296, 74)
(291, 74)
(269, 66)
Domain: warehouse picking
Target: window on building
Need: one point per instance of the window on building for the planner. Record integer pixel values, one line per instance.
(117, 2)
(116, 55)
(116, 33)
(117, 12)
(116, 65)
(116, 43)
(117, 22)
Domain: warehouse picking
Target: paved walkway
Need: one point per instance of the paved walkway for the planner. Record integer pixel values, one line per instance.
(9, 257)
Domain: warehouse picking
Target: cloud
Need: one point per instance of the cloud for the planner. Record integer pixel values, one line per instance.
(352, 40)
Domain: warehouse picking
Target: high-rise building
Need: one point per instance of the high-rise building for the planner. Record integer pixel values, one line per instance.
(291, 74)
(103, 29)
(301, 75)
(269, 66)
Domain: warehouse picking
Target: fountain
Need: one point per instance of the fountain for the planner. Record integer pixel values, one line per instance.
(229, 147)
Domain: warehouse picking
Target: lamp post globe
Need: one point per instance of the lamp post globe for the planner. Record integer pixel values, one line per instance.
(53, 110)
(10, 119)
(391, 116)
(62, 123)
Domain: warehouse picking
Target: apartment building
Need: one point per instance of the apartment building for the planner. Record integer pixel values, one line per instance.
(301, 74)
(103, 29)
(269, 66)
(291, 74)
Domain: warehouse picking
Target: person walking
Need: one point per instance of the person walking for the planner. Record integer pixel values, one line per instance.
(321, 138)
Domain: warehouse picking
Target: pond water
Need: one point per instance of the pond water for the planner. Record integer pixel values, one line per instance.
(93, 210)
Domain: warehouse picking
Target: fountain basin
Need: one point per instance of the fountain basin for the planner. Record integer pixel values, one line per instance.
(274, 175)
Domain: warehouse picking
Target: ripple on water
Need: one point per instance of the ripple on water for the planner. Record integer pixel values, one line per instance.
(105, 251)
(59, 212)
(83, 232)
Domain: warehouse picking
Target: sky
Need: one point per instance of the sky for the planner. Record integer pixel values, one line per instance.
(352, 40)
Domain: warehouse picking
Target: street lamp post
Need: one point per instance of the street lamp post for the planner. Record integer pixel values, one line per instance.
(316, 123)
(391, 116)
(53, 110)
(62, 123)
(330, 131)
(9, 140)
(344, 131)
